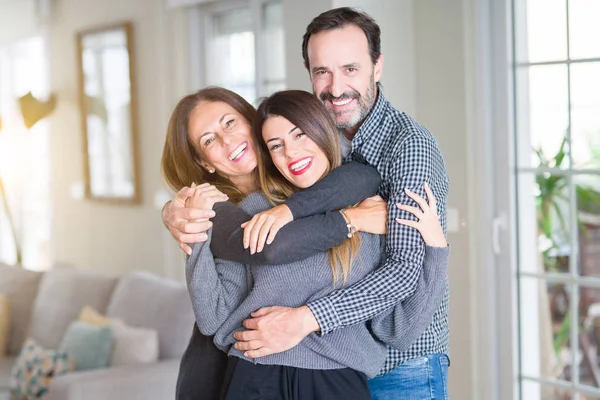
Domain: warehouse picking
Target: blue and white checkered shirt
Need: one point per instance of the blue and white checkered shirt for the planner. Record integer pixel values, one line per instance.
(406, 155)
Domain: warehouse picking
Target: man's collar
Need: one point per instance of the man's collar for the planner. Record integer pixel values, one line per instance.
(373, 119)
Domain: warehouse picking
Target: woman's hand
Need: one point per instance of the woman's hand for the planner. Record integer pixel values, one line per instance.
(369, 216)
(205, 196)
(263, 227)
(428, 223)
(187, 225)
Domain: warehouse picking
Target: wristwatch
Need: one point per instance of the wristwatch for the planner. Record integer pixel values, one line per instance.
(351, 228)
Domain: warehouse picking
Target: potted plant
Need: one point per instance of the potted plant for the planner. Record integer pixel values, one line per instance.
(552, 202)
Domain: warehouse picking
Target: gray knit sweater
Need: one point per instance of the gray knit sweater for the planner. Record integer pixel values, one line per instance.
(224, 293)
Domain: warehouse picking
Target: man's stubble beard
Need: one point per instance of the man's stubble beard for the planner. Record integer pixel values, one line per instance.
(360, 114)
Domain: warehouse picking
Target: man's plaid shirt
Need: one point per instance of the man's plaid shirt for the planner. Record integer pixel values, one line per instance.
(406, 155)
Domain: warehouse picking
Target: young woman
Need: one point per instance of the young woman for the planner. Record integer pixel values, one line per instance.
(298, 145)
(218, 116)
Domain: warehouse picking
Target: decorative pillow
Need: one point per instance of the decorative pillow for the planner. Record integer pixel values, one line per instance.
(90, 346)
(4, 324)
(131, 345)
(90, 316)
(34, 369)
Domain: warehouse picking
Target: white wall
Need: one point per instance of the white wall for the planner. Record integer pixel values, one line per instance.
(441, 106)
(17, 20)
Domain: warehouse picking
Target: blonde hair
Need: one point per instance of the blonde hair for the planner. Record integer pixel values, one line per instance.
(181, 158)
(306, 112)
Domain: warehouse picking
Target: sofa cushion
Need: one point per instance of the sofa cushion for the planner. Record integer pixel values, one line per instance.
(133, 345)
(6, 365)
(35, 368)
(93, 317)
(130, 345)
(61, 296)
(144, 300)
(20, 286)
(90, 346)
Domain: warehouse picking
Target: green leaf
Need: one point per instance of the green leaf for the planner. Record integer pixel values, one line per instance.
(562, 335)
(587, 197)
(559, 213)
(560, 156)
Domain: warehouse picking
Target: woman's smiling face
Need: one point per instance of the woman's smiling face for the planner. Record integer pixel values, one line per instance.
(224, 139)
(294, 154)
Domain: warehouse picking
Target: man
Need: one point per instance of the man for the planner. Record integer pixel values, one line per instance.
(342, 53)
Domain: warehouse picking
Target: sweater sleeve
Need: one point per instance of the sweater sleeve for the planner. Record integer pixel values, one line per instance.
(296, 241)
(216, 287)
(343, 186)
(407, 321)
(316, 227)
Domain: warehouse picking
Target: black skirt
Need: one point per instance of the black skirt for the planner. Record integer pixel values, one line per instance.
(202, 369)
(247, 381)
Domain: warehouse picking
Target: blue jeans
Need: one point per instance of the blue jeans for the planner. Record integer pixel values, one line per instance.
(422, 378)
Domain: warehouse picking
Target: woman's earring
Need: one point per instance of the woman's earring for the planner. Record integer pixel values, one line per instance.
(211, 171)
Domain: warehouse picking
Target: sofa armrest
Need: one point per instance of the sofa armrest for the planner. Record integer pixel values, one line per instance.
(131, 382)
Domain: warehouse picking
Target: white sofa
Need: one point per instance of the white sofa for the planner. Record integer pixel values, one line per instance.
(44, 304)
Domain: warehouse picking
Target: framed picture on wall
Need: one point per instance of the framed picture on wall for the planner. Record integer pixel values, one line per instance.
(107, 101)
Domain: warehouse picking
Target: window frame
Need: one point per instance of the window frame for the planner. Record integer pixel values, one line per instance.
(572, 280)
(35, 239)
(202, 30)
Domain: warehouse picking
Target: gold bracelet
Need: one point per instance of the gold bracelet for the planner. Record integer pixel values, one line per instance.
(351, 228)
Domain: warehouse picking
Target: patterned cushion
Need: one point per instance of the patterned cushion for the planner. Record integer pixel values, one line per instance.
(4, 324)
(90, 346)
(35, 368)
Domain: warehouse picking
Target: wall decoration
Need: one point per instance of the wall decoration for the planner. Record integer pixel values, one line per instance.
(107, 101)
(34, 110)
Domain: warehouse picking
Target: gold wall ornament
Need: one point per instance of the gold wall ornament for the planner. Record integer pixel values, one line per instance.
(34, 110)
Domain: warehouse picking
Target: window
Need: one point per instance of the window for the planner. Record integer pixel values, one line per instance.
(243, 47)
(24, 157)
(557, 98)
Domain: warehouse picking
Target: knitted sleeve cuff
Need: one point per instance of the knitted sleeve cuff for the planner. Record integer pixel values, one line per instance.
(437, 255)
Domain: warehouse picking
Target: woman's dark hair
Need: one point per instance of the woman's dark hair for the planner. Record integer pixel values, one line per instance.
(339, 18)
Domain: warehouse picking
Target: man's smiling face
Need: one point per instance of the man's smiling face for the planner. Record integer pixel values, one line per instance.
(343, 75)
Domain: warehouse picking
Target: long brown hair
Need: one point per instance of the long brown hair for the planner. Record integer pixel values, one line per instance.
(181, 158)
(307, 113)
